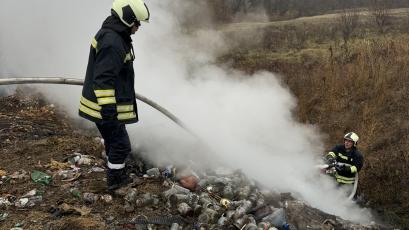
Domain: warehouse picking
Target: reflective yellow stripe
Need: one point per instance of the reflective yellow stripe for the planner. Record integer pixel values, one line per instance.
(342, 156)
(94, 43)
(345, 180)
(90, 112)
(354, 169)
(106, 100)
(126, 116)
(90, 104)
(128, 57)
(124, 108)
(332, 154)
(104, 92)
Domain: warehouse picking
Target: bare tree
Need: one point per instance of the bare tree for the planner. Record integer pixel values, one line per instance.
(348, 22)
(381, 14)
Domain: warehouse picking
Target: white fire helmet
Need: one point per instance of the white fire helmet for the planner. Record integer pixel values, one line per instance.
(352, 137)
(131, 11)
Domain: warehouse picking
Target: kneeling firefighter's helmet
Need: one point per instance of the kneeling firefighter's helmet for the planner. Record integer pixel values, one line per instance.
(131, 11)
(352, 137)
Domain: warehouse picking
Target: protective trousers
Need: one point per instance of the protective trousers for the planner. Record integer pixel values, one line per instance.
(117, 144)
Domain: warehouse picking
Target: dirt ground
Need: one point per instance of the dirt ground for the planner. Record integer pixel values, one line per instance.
(32, 134)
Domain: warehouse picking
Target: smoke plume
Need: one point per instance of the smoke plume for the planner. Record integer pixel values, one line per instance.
(241, 121)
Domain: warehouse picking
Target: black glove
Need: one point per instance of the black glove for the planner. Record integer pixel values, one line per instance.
(330, 160)
(342, 168)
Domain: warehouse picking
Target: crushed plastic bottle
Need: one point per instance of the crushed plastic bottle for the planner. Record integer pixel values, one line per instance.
(40, 177)
(277, 219)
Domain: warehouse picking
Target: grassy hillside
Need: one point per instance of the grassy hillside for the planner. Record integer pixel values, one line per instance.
(361, 84)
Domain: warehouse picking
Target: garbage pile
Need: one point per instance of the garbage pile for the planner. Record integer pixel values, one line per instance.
(224, 199)
(52, 176)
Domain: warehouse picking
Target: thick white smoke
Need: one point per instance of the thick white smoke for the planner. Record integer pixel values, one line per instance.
(243, 121)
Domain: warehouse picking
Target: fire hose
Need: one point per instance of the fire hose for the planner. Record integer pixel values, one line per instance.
(355, 187)
(73, 81)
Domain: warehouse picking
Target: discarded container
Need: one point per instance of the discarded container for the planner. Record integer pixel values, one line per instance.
(174, 226)
(21, 203)
(222, 220)
(225, 202)
(3, 216)
(90, 197)
(129, 207)
(228, 192)
(264, 225)
(185, 209)
(175, 189)
(250, 226)
(79, 159)
(131, 195)
(97, 169)
(208, 216)
(242, 209)
(169, 171)
(4, 202)
(106, 198)
(277, 219)
(75, 192)
(32, 193)
(153, 172)
(40, 177)
(145, 200)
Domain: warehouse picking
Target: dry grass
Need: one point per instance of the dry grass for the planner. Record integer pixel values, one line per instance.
(362, 87)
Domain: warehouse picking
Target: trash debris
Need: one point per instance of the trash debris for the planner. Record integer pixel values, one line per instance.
(55, 165)
(96, 169)
(189, 182)
(78, 159)
(169, 171)
(40, 177)
(76, 193)
(21, 203)
(28, 202)
(90, 197)
(277, 219)
(106, 198)
(3, 216)
(65, 209)
(2, 173)
(32, 193)
(21, 174)
(153, 172)
(4, 202)
(69, 175)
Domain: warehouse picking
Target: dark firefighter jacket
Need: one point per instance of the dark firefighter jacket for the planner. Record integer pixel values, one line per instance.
(108, 93)
(353, 159)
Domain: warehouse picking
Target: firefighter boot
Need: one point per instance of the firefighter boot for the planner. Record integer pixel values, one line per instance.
(116, 178)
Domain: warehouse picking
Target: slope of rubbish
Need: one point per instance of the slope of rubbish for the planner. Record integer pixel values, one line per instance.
(53, 177)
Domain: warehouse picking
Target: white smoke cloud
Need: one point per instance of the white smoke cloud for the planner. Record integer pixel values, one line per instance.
(243, 121)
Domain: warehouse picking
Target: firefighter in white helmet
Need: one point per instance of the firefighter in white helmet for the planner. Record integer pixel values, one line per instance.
(108, 95)
(350, 156)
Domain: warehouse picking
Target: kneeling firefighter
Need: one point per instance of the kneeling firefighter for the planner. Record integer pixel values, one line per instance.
(108, 95)
(350, 157)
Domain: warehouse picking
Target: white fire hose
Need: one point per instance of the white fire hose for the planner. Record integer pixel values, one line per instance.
(73, 81)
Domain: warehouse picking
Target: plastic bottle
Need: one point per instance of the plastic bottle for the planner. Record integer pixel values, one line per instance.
(277, 219)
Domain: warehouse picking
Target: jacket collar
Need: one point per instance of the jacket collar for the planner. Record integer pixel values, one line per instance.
(112, 22)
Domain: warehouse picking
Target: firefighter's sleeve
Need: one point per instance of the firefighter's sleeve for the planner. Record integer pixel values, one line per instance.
(358, 163)
(332, 155)
(108, 64)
